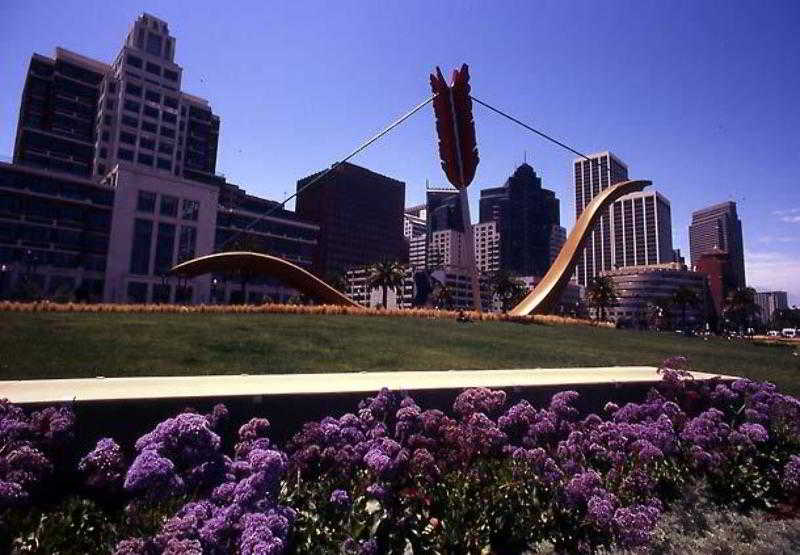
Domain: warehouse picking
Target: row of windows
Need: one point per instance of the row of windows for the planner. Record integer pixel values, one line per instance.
(150, 67)
(146, 202)
(165, 242)
(30, 259)
(145, 159)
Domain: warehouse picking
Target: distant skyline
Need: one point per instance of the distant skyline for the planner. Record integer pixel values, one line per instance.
(697, 96)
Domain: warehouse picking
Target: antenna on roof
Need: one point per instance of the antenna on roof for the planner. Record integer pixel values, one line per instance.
(525, 156)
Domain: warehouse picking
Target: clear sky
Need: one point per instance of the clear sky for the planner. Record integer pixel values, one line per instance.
(701, 97)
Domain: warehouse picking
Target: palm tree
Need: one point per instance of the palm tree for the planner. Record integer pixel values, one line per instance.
(601, 294)
(685, 297)
(508, 289)
(740, 306)
(386, 274)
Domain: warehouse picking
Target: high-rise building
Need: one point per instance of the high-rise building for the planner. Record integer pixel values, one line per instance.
(487, 247)
(413, 226)
(113, 182)
(770, 302)
(82, 116)
(558, 236)
(717, 268)
(360, 214)
(718, 227)
(599, 172)
(525, 214)
(641, 230)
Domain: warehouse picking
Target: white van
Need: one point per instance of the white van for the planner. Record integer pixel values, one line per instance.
(789, 332)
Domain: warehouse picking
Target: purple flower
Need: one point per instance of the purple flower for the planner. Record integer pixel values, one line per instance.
(377, 491)
(754, 432)
(791, 475)
(561, 404)
(255, 428)
(153, 475)
(635, 525)
(25, 465)
(258, 538)
(600, 508)
(581, 487)
(134, 546)
(55, 424)
(217, 417)
(479, 399)
(104, 466)
(12, 494)
(341, 498)
(183, 547)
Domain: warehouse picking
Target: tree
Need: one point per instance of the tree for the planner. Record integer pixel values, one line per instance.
(740, 306)
(442, 295)
(507, 288)
(386, 274)
(601, 294)
(685, 297)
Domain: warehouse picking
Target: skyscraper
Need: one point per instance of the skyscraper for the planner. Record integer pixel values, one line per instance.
(82, 116)
(592, 176)
(525, 214)
(719, 227)
(642, 230)
(360, 214)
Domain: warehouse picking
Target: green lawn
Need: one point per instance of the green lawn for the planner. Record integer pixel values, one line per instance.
(46, 345)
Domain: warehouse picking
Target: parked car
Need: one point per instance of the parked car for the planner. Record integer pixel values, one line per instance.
(773, 333)
(789, 332)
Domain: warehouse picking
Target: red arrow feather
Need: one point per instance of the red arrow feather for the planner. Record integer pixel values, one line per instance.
(455, 127)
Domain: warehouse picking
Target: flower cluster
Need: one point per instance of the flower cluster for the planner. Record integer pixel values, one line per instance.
(28, 446)
(104, 466)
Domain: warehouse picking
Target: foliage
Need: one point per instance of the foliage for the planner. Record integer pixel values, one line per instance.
(685, 297)
(601, 294)
(394, 476)
(386, 274)
(740, 307)
(507, 288)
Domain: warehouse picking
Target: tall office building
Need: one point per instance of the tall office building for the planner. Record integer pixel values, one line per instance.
(113, 182)
(487, 247)
(360, 214)
(599, 172)
(719, 227)
(770, 302)
(641, 230)
(558, 236)
(82, 116)
(525, 214)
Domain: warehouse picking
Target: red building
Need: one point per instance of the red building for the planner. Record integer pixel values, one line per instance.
(717, 266)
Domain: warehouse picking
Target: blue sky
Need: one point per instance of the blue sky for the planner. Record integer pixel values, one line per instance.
(701, 97)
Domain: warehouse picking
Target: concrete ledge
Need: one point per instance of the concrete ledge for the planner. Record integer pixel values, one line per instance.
(91, 390)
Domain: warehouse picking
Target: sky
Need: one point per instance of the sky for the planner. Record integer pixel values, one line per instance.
(700, 97)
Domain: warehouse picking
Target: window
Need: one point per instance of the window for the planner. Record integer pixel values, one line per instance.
(169, 206)
(132, 89)
(107, 120)
(127, 138)
(132, 106)
(109, 104)
(101, 169)
(149, 127)
(152, 96)
(130, 121)
(190, 209)
(164, 164)
(186, 243)
(125, 154)
(137, 292)
(140, 251)
(167, 132)
(149, 144)
(106, 135)
(145, 159)
(154, 69)
(103, 153)
(165, 246)
(134, 61)
(165, 148)
(171, 75)
(171, 101)
(169, 118)
(146, 201)
(153, 44)
(151, 112)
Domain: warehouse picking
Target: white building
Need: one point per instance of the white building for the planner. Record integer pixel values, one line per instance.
(487, 247)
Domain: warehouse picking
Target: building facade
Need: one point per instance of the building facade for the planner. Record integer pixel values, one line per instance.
(558, 236)
(599, 172)
(360, 214)
(113, 182)
(641, 230)
(770, 302)
(718, 227)
(525, 215)
(639, 288)
(358, 289)
(487, 247)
